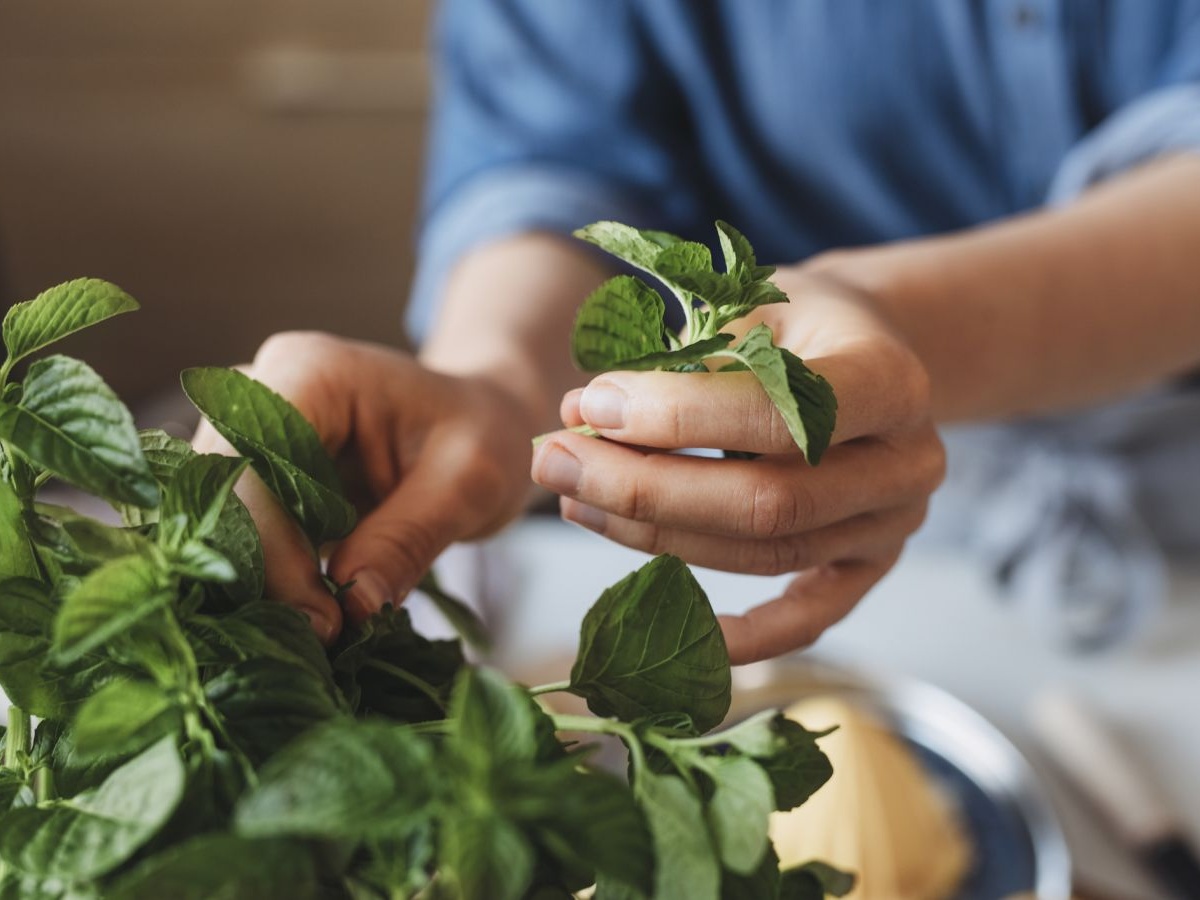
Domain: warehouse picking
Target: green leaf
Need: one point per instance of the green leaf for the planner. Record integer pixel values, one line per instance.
(803, 398)
(738, 254)
(342, 781)
(71, 423)
(107, 603)
(70, 544)
(223, 867)
(460, 616)
(26, 622)
(261, 629)
(833, 882)
(388, 637)
(686, 862)
(93, 833)
(739, 811)
(200, 562)
(16, 554)
(281, 444)
(590, 821)
(685, 359)
(234, 536)
(197, 495)
(491, 719)
(60, 311)
(798, 767)
(761, 884)
(123, 717)
(651, 644)
(265, 704)
(639, 248)
(621, 320)
(483, 855)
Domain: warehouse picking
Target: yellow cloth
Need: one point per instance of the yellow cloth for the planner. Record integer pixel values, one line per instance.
(879, 816)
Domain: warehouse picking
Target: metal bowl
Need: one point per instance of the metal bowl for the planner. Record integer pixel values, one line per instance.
(1018, 842)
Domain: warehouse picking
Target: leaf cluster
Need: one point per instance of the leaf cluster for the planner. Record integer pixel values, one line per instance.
(622, 324)
(195, 740)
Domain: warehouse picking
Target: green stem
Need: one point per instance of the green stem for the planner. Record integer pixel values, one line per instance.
(552, 688)
(408, 678)
(16, 741)
(43, 784)
(5, 371)
(41, 479)
(594, 725)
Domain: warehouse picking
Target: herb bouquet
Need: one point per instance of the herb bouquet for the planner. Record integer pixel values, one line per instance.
(195, 740)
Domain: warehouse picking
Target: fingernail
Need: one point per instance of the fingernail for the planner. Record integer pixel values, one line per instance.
(587, 516)
(321, 624)
(558, 470)
(370, 592)
(603, 405)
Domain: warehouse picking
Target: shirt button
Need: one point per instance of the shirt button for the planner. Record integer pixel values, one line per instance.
(1026, 17)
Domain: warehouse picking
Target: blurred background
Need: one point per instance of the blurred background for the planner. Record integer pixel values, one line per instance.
(238, 168)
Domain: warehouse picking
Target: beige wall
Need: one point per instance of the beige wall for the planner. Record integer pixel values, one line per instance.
(240, 167)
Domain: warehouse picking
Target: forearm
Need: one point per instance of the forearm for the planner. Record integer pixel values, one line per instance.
(1053, 310)
(506, 315)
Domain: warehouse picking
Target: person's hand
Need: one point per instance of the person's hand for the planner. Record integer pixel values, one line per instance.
(428, 458)
(840, 525)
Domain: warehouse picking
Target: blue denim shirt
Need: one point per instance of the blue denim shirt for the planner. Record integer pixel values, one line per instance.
(813, 124)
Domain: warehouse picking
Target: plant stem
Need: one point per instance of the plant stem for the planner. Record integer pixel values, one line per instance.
(408, 678)
(551, 688)
(43, 784)
(594, 725)
(16, 741)
(41, 478)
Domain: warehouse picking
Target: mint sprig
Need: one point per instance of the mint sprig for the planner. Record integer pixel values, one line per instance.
(622, 324)
(196, 740)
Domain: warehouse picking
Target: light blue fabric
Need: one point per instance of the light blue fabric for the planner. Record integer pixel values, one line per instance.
(813, 124)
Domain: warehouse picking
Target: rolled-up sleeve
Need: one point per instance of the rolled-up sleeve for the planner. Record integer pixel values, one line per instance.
(547, 116)
(1162, 121)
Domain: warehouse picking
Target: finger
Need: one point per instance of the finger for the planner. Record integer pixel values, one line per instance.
(568, 410)
(862, 537)
(293, 574)
(731, 411)
(762, 498)
(392, 548)
(810, 603)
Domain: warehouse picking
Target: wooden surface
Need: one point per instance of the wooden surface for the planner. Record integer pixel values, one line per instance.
(138, 143)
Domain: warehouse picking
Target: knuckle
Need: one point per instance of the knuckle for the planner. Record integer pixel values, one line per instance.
(777, 510)
(410, 546)
(639, 501)
(286, 345)
(782, 556)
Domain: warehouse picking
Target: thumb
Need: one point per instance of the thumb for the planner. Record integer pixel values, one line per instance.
(396, 544)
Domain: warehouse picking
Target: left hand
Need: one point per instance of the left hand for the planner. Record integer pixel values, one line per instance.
(840, 525)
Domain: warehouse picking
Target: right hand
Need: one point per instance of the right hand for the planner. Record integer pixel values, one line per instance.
(439, 458)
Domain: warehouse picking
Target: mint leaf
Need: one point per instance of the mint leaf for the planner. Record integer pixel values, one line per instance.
(216, 866)
(637, 247)
(483, 855)
(381, 787)
(281, 444)
(60, 311)
(833, 882)
(651, 644)
(621, 320)
(196, 497)
(107, 603)
(234, 536)
(16, 554)
(26, 623)
(460, 616)
(123, 717)
(70, 423)
(266, 703)
(803, 398)
(798, 767)
(688, 358)
(738, 812)
(93, 833)
(686, 863)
